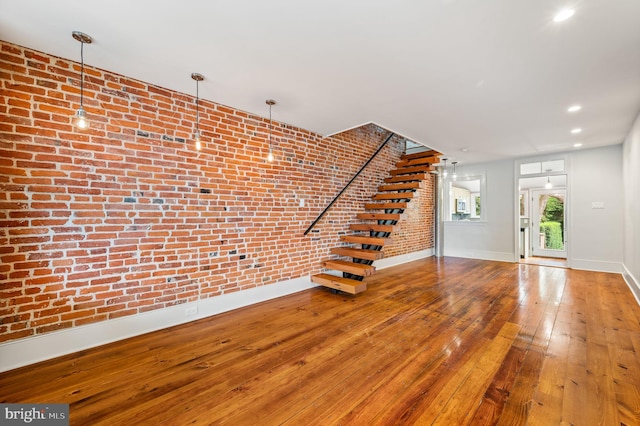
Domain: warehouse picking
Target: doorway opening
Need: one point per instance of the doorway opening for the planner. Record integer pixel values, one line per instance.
(543, 224)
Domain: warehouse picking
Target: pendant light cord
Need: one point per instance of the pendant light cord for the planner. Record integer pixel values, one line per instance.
(270, 123)
(197, 106)
(81, 73)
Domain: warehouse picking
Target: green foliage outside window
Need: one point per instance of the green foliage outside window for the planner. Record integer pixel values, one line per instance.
(552, 224)
(552, 235)
(554, 210)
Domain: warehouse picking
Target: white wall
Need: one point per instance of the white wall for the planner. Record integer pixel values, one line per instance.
(492, 239)
(596, 235)
(631, 210)
(595, 238)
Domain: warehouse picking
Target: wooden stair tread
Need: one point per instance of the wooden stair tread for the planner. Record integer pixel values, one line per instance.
(418, 161)
(357, 253)
(428, 153)
(393, 196)
(411, 169)
(379, 216)
(358, 239)
(339, 283)
(399, 186)
(384, 206)
(406, 178)
(351, 267)
(371, 227)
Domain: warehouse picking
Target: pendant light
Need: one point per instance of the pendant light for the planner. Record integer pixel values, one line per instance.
(445, 173)
(271, 103)
(80, 119)
(454, 176)
(196, 135)
(548, 185)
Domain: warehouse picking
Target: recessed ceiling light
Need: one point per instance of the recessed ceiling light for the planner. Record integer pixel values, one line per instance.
(563, 15)
(574, 108)
(575, 131)
(577, 145)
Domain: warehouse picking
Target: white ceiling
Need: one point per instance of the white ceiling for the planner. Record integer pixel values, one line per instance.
(494, 76)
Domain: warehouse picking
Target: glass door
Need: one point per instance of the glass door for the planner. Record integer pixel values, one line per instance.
(548, 224)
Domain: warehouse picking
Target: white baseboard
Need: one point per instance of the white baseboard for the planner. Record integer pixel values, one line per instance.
(18, 353)
(596, 265)
(632, 282)
(481, 254)
(403, 258)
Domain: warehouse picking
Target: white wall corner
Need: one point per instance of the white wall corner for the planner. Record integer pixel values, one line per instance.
(596, 265)
(481, 254)
(403, 258)
(18, 353)
(632, 282)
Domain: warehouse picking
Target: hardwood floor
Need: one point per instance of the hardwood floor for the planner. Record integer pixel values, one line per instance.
(450, 341)
(545, 261)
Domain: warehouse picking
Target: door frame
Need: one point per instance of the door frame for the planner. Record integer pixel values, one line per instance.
(567, 206)
(534, 223)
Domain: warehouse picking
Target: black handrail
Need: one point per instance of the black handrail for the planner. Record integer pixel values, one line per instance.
(348, 184)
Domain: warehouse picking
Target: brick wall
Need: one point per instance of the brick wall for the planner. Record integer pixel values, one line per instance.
(126, 217)
(415, 230)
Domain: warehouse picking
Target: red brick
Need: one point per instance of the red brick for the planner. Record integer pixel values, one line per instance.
(92, 319)
(6, 336)
(53, 327)
(52, 311)
(115, 222)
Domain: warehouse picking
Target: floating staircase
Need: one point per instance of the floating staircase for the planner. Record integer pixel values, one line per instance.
(380, 221)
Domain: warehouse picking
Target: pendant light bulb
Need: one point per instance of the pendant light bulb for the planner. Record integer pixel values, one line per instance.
(270, 156)
(196, 135)
(454, 176)
(548, 185)
(80, 120)
(445, 173)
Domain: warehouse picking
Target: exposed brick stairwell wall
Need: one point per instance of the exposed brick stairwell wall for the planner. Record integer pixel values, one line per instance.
(127, 217)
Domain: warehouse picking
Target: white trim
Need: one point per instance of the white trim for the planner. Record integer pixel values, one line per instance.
(568, 211)
(388, 129)
(366, 123)
(403, 258)
(632, 282)
(534, 218)
(18, 353)
(449, 182)
(596, 265)
(481, 254)
(466, 222)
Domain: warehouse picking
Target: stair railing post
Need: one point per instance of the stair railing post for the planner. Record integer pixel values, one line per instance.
(349, 184)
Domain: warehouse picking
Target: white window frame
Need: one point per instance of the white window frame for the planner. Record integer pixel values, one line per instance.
(448, 195)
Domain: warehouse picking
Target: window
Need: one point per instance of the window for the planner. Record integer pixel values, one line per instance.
(524, 203)
(542, 167)
(464, 199)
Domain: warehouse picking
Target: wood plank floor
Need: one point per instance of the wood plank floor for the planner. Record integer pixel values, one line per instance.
(545, 261)
(437, 341)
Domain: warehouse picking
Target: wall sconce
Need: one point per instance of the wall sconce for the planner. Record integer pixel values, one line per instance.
(80, 119)
(271, 103)
(454, 176)
(445, 173)
(196, 135)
